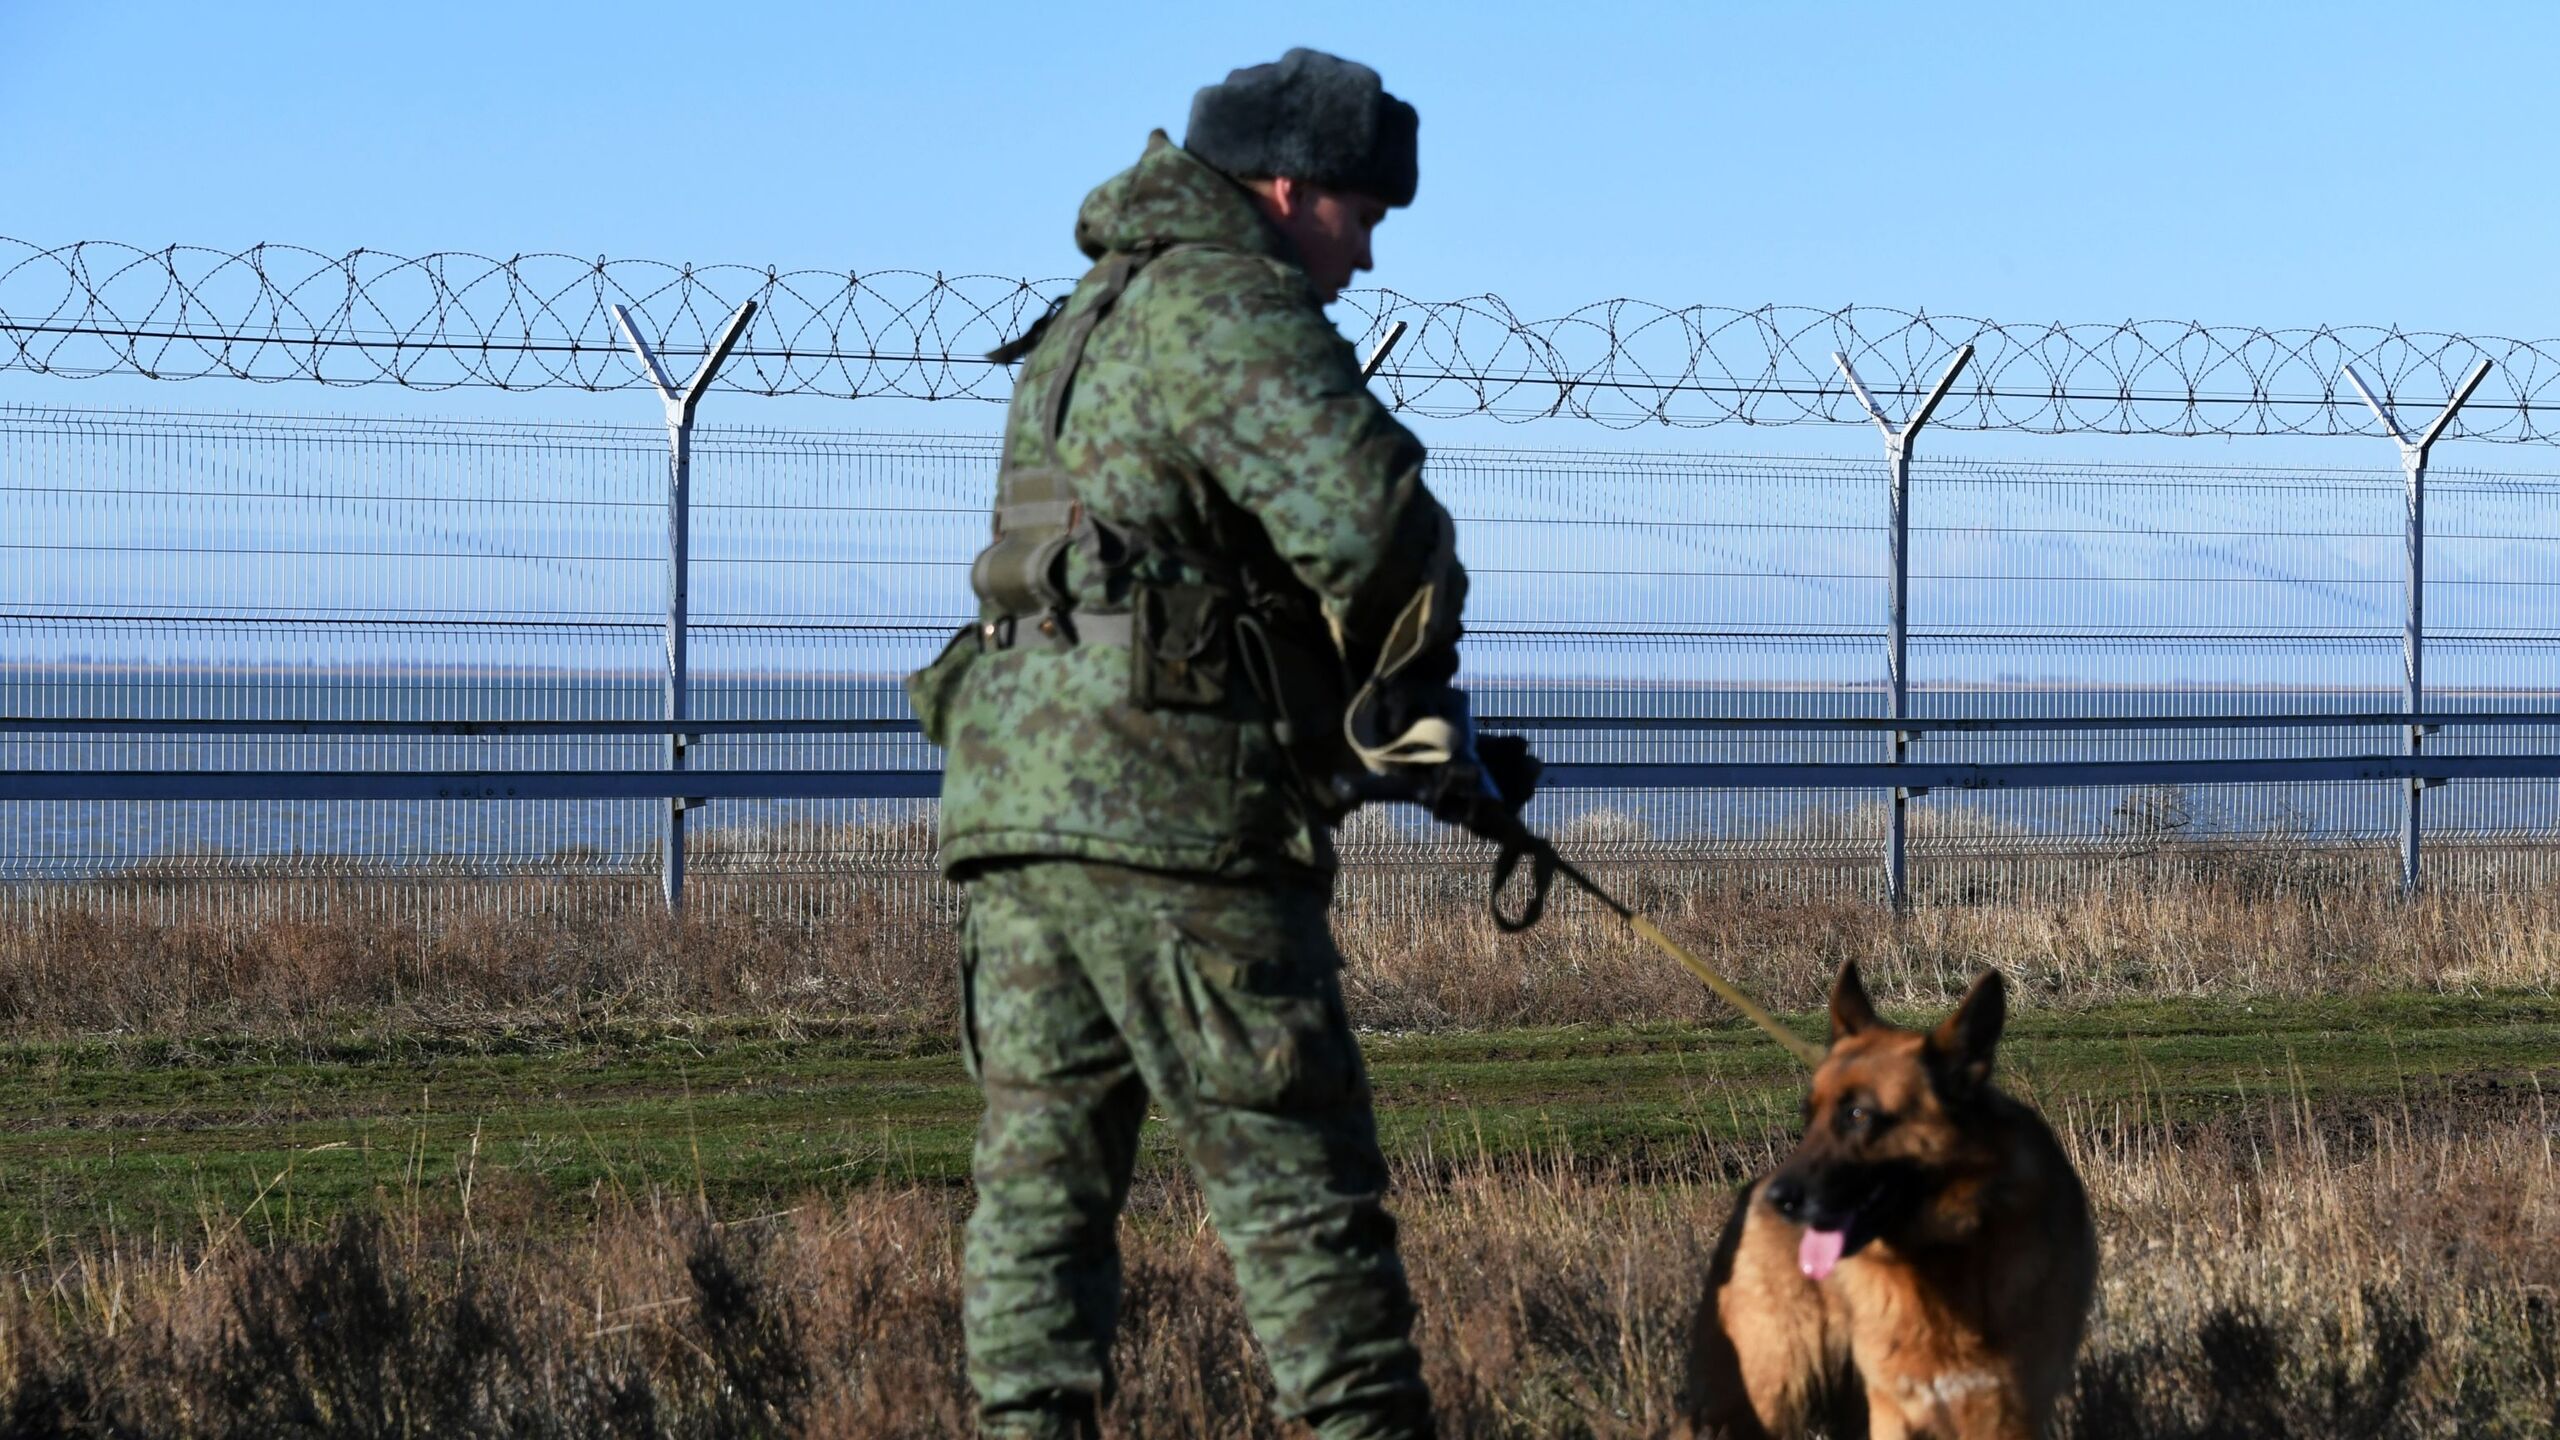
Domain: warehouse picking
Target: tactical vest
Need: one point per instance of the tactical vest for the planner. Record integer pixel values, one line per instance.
(1191, 643)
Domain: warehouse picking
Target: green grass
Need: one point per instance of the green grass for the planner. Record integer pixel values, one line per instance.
(160, 1138)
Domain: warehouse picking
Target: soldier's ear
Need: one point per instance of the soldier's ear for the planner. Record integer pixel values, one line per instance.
(1960, 1048)
(1851, 1011)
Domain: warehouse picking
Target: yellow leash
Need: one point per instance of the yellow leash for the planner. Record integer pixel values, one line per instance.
(1796, 1045)
(1545, 864)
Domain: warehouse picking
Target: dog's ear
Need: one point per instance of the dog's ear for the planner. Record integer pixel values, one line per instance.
(1961, 1046)
(1851, 1011)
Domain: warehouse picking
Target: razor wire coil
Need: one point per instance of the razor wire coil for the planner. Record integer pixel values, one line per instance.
(453, 319)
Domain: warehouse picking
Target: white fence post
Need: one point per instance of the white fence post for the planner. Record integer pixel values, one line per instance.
(680, 403)
(1897, 452)
(1378, 357)
(2413, 630)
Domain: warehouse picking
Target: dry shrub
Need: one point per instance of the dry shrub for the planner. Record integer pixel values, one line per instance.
(2309, 1276)
(1439, 965)
(478, 952)
(655, 1323)
(1423, 954)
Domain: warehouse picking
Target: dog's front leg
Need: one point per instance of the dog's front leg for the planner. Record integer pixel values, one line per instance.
(1976, 1403)
(1760, 1346)
(1747, 1381)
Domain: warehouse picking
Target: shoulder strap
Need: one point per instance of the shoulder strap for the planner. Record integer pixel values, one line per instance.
(1043, 495)
(1110, 281)
(1038, 515)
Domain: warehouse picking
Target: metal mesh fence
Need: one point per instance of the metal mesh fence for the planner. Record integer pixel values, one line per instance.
(164, 566)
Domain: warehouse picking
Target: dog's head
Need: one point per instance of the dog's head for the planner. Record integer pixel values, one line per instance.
(1884, 1124)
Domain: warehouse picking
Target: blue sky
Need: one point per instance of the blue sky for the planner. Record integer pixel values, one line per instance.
(2273, 164)
(2269, 164)
(2276, 164)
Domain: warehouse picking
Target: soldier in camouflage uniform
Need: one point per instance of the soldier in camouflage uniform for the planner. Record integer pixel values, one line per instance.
(1206, 530)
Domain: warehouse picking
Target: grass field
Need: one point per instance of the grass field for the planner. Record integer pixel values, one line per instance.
(174, 1138)
(346, 1179)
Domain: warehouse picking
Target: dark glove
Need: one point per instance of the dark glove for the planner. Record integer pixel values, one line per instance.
(1483, 790)
(1511, 767)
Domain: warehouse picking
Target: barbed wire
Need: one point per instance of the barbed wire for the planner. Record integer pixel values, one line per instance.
(450, 319)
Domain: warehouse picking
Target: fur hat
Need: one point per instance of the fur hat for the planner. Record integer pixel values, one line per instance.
(1313, 117)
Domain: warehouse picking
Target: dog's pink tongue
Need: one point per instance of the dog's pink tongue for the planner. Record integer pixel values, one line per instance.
(1819, 1251)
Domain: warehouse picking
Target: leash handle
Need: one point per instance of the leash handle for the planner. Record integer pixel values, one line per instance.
(1543, 863)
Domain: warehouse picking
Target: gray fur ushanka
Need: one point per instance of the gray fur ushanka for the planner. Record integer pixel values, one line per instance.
(1314, 117)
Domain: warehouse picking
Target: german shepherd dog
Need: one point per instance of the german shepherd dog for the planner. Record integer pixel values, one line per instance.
(1921, 1265)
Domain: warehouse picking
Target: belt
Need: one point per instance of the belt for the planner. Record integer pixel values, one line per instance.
(1059, 629)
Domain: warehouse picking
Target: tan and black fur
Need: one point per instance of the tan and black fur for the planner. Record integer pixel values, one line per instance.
(1951, 1236)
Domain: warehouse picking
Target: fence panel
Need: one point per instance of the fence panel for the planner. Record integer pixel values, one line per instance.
(197, 567)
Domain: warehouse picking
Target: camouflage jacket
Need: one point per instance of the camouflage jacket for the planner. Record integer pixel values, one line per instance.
(1217, 413)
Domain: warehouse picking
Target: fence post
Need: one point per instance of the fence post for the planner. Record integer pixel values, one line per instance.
(1897, 454)
(680, 403)
(2413, 628)
(1378, 357)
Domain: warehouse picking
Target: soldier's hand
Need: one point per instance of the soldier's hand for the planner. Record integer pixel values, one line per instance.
(1483, 791)
(1512, 768)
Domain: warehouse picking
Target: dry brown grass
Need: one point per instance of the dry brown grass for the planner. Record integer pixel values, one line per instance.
(2287, 1273)
(477, 951)
(2363, 1275)
(1423, 955)
(1444, 965)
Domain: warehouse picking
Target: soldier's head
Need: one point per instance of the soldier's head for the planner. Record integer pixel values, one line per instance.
(1324, 149)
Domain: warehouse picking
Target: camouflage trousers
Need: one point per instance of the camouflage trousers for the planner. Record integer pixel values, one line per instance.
(1086, 989)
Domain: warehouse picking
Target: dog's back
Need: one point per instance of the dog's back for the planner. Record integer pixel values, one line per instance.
(1922, 1264)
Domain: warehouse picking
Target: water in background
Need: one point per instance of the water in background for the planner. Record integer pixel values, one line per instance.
(71, 839)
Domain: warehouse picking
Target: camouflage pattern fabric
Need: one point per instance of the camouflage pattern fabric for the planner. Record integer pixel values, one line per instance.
(1089, 987)
(1218, 410)
(1148, 878)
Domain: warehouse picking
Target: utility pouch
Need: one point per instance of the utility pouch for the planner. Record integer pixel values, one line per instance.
(1023, 570)
(931, 690)
(1179, 654)
(1302, 688)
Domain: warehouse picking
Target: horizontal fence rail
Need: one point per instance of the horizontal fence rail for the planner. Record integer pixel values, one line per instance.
(1917, 778)
(1700, 724)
